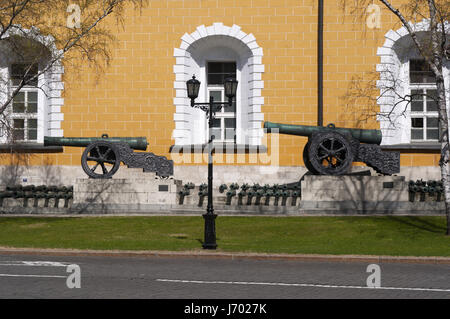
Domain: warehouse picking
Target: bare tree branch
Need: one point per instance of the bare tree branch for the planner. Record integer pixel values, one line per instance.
(89, 41)
(432, 47)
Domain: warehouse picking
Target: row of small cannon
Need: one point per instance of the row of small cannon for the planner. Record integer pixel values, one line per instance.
(422, 187)
(38, 192)
(256, 191)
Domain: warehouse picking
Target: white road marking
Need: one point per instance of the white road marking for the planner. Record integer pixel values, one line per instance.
(35, 263)
(39, 276)
(298, 285)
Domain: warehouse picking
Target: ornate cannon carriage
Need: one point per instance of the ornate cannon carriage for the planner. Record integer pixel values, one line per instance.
(331, 150)
(102, 156)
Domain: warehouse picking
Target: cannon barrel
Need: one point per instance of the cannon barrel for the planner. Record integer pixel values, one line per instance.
(362, 135)
(136, 143)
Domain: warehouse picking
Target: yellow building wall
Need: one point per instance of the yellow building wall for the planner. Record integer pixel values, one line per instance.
(133, 96)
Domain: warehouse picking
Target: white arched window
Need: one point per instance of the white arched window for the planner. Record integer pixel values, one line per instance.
(211, 53)
(408, 113)
(35, 111)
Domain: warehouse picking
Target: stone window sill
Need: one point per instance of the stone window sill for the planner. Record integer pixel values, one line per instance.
(29, 148)
(413, 147)
(219, 148)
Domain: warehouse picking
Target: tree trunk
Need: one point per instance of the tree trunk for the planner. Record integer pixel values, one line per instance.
(445, 181)
(437, 54)
(445, 152)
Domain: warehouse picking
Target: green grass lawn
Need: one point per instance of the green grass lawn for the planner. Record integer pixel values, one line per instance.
(386, 235)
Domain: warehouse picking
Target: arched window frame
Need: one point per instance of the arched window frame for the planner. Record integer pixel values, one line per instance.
(50, 85)
(394, 70)
(187, 129)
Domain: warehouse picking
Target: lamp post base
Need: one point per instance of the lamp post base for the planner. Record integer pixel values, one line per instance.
(210, 231)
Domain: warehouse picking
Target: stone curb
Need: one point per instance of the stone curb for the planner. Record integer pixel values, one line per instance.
(230, 256)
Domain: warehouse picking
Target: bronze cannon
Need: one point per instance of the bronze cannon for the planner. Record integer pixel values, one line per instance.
(331, 150)
(102, 155)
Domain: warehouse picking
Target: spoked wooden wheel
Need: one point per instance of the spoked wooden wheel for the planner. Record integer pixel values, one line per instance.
(306, 159)
(330, 154)
(100, 160)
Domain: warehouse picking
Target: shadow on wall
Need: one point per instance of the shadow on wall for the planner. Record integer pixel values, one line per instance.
(18, 167)
(359, 103)
(97, 195)
(11, 173)
(50, 174)
(364, 195)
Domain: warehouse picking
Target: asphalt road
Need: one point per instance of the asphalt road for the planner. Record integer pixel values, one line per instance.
(23, 276)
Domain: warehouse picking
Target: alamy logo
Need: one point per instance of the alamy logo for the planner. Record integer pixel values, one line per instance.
(234, 154)
(374, 17)
(74, 279)
(74, 19)
(374, 280)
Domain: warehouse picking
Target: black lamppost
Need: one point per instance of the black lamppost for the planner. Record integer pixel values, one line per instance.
(193, 87)
(320, 64)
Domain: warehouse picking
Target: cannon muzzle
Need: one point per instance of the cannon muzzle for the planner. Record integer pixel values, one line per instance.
(362, 135)
(136, 143)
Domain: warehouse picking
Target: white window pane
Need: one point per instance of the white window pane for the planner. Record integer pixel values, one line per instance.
(32, 102)
(19, 123)
(18, 135)
(32, 123)
(215, 79)
(433, 134)
(32, 108)
(416, 106)
(232, 108)
(216, 123)
(20, 97)
(217, 95)
(32, 96)
(432, 94)
(25, 72)
(230, 123)
(19, 103)
(432, 122)
(416, 134)
(217, 130)
(431, 101)
(32, 135)
(420, 72)
(18, 130)
(416, 101)
(417, 122)
(230, 128)
(219, 71)
(432, 106)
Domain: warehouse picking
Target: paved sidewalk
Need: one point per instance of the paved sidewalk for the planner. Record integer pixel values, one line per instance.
(226, 255)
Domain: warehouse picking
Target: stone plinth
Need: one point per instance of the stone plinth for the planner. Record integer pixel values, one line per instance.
(361, 195)
(354, 188)
(131, 192)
